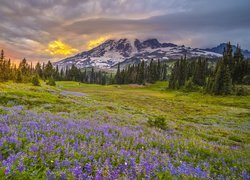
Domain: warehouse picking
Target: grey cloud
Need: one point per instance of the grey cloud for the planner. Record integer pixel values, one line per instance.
(196, 22)
(218, 23)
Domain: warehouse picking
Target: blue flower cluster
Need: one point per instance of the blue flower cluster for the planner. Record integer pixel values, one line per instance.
(50, 146)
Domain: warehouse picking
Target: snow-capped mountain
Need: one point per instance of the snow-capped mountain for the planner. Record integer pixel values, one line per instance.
(220, 49)
(124, 51)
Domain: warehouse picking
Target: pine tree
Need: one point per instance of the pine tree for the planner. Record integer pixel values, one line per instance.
(48, 70)
(51, 81)
(173, 77)
(38, 70)
(218, 81)
(240, 68)
(61, 74)
(164, 72)
(227, 82)
(35, 80)
(19, 77)
(1, 65)
(24, 67)
(222, 84)
(118, 75)
(141, 75)
(200, 71)
(57, 73)
(92, 76)
(158, 70)
(182, 73)
(104, 79)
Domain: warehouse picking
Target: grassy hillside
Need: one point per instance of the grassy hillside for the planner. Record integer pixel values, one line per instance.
(90, 131)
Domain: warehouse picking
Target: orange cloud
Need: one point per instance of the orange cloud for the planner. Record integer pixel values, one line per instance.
(60, 48)
(93, 43)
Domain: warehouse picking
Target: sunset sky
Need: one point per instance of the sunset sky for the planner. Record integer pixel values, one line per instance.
(42, 30)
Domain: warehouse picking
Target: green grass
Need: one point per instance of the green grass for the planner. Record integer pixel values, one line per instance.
(220, 119)
(207, 125)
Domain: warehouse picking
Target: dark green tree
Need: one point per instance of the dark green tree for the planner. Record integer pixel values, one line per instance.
(141, 75)
(48, 70)
(38, 70)
(118, 78)
(35, 81)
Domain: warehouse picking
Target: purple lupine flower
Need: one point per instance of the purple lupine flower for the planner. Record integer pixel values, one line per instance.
(7, 170)
(77, 171)
(103, 145)
(172, 169)
(98, 175)
(63, 176)
(57, 164)
(66, 163)
(21, 166)
(88, 168)
(50, 175)
(245, 175)
(34, 148)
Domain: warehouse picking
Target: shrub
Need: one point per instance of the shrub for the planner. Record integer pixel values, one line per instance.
(35, 81)
(241, 91)
(51, 82)
(190, 86)
(159, 122)
(246, 80)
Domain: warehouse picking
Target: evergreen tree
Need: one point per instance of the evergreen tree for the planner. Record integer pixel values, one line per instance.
(227, 82)
(38, 70)
(228, 56)
(35, 80)
(158, 70)
(57, 74)
(104, 80)
(19, 77)
(141, 75)
(164, 72)
(92, 76)
(51, 81)
(24, 67)
(217, 85)
(118, 75)
(48, 70)
(1, 65)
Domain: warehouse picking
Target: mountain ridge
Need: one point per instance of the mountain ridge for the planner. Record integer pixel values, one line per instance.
(220, 49)
(111, 52)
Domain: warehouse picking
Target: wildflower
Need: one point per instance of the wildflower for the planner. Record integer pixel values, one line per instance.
(63, 176)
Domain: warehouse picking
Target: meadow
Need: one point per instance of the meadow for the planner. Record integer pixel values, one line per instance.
(83, 131)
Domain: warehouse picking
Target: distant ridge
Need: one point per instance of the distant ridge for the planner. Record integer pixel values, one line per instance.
(220, 49)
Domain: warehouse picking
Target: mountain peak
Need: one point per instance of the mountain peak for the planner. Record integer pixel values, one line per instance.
(152, 43)
(126, 51)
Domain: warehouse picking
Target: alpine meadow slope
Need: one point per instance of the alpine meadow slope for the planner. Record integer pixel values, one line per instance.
(102, 133)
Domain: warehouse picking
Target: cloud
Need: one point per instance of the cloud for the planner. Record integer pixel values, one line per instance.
(28, 26)
(60, 48)
(95, 42)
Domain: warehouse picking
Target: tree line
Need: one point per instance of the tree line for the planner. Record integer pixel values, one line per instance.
(218, 78)
(231, 70)
(137, 74)
(142, 73)
(25, 72)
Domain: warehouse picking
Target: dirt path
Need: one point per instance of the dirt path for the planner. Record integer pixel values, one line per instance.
(72, 93)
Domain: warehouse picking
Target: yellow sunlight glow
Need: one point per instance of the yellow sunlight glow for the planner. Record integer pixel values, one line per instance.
(93, 43)
(60, 48)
